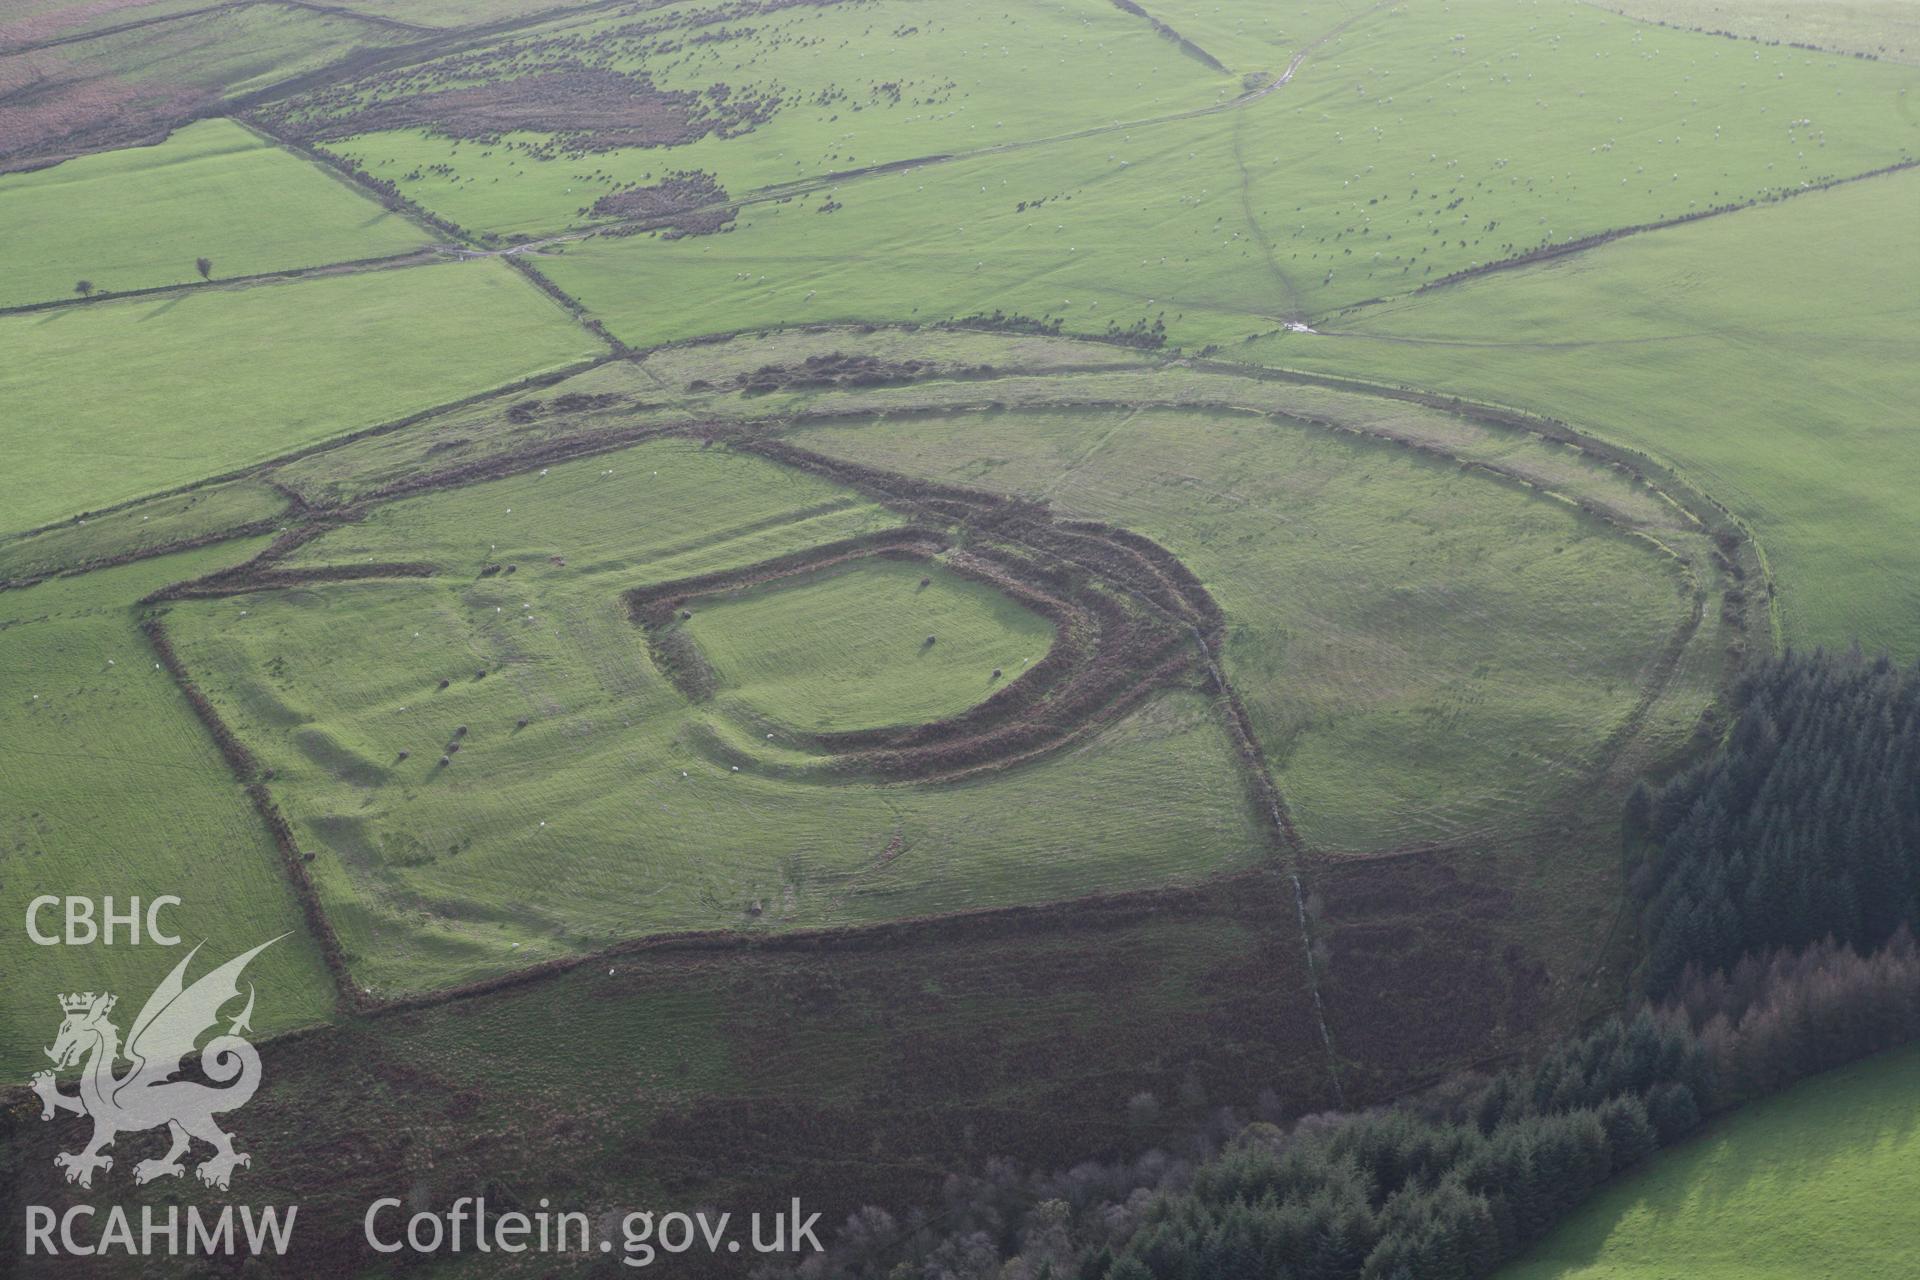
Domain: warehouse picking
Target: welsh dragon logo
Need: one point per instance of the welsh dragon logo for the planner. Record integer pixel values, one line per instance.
(147, 1096)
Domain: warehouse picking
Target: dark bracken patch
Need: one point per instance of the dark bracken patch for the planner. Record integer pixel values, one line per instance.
(839, 369)
(687, 203)
(585, 108)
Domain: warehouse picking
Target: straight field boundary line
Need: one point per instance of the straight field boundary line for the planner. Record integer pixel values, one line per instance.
(1744, 38)
(356, 15)
(1600, 239)
(284, 275)
(344, 172)
(1167, 32)
(96, 33)
(244, 769)
(803, 186)
(532, 382)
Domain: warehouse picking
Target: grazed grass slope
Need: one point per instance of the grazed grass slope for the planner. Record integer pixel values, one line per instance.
(1814, 1182)
(138, 218)
(679, 387)
(1877, 28)
(1766, 354)
(1308, 686)
(110, 401)
(1377, 169)
(109, 785)
(866, 646)
(619, 809)
(196, 516)
(824, 88)
(1426, 655)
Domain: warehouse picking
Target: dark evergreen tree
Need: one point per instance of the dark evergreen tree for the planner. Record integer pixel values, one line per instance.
(1804, 824)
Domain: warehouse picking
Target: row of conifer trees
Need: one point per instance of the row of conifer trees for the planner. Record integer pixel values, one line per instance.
(1779, 884)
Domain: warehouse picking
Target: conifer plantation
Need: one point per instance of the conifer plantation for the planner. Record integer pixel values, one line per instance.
(1805, 825)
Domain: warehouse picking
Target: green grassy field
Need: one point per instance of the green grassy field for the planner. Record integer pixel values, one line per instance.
(1877, 28)
(1702, 344)
(1806, 1185)
(140, 528)
(953, 79)
(1383, 727)
(1393, 684)
(683, 387)
(138, 218)
(664, 510)
(848, 649)
(1255, 39)
(1426, 655)
(1368, 175)
(109, 785)
(114, 400)
(620, 809)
